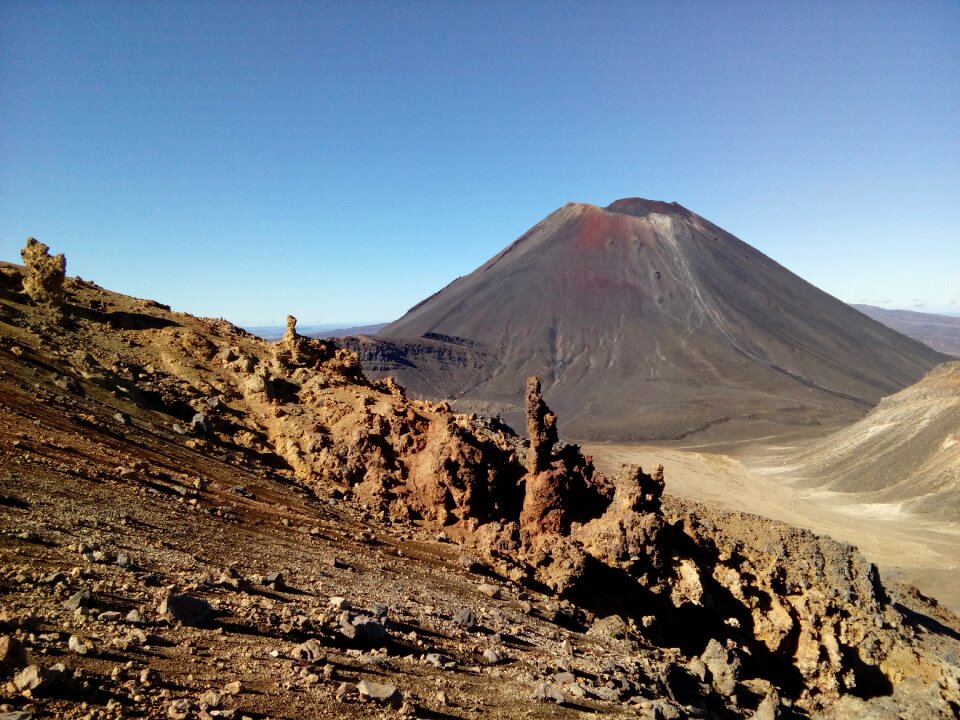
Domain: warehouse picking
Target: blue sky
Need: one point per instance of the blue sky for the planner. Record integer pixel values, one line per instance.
(342, 161)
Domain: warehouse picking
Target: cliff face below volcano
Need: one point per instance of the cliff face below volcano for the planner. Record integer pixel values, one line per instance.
(646, 321)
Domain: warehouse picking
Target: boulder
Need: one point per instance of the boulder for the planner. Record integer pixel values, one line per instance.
(310, 650)
(724, 667)
(189, 610)
(12, 654)
(381, 693)
(363, 629)
(546, 692)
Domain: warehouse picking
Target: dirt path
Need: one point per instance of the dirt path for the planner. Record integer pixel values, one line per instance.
(906, 547)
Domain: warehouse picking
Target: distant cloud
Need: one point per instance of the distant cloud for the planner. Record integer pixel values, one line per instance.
(875, 301)
(919, 305)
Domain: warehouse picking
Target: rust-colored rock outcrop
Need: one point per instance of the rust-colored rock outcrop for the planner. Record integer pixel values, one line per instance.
(630, 534)
(45, 273)
(541, 428)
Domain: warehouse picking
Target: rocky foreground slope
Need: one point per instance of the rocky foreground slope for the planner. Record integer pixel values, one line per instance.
(198, 523)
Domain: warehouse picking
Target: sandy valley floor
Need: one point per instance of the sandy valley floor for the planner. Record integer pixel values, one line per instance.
(906, 547)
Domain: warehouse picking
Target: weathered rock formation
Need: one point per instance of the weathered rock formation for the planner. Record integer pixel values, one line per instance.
(43, 280)
(541, 428)
(561, 484)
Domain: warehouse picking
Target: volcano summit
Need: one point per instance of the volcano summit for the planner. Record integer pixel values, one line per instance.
(646, 322)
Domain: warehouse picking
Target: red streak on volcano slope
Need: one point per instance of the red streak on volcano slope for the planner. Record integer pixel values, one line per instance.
(598, 226)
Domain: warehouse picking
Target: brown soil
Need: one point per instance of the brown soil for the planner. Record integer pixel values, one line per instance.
(146, 455)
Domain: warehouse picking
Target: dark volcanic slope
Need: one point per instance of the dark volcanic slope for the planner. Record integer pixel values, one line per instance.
(941, 332)
(647, 321)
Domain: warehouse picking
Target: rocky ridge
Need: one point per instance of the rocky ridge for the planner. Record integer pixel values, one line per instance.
(196, 513)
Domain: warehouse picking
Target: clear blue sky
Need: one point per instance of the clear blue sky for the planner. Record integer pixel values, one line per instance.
(341, 161)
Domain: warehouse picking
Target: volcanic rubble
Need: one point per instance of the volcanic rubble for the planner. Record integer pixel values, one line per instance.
(199, 524)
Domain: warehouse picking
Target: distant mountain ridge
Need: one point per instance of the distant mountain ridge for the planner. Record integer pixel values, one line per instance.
(646, 321)
(275, 332)
(941, 332)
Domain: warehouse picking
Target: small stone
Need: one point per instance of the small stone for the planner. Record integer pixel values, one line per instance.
(123, 560)
(343, 691)
(380, 693)
(135, 617)
(83, 598)
(340, 564)
(466, 619)
(566, 647)
(149, 676)
(565, 677)
(122, 418)
(545, 692)
(179, 709)
(75, 644)
(210, 699)
(363, 629)
(189, 610)
(310, 650)
(339, 603)
(233, 688)
(470, 563)
(491, 591)
(199, 424)
(274, 580)
(30, 678)
(492, 657)
(12, 654)
(109, 616)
